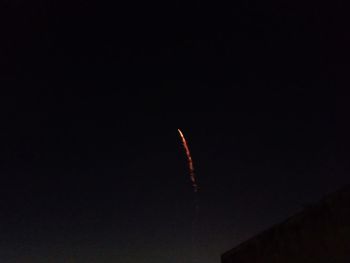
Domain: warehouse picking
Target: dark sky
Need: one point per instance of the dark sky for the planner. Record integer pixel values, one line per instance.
(92, 168)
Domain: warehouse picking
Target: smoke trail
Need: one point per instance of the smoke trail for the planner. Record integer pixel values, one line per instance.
(190, 162)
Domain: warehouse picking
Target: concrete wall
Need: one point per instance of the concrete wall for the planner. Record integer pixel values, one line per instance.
(320, 234)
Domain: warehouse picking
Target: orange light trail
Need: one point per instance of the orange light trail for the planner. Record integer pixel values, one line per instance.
(190, 162)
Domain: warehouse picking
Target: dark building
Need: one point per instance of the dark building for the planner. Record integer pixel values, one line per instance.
(319, 234)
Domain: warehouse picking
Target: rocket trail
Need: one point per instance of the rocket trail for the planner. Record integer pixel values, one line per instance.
(195, 218)
(190, 162)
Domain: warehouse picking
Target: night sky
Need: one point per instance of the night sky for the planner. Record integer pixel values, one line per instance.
(92, 167)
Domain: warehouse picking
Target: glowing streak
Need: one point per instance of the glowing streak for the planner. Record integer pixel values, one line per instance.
(190, 162)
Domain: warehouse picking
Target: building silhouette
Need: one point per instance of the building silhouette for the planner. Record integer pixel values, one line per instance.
(319, 234)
